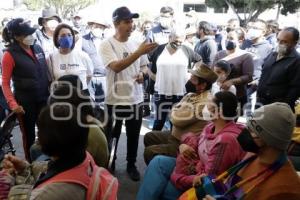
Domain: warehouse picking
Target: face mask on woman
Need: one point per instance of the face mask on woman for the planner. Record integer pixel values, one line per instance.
(65, 42)
(190, 87)
(247, 142)
(29, 40)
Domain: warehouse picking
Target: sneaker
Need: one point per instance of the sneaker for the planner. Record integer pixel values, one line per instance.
(133, 173)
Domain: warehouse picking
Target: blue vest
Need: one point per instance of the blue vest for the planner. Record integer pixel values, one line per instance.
(30, 76)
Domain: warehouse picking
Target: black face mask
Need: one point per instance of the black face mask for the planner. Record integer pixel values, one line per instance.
(246, 141)
(230, 45)
(228, 29)
(190, 87)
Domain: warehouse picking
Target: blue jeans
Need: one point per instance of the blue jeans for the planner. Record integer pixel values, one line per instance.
(156, 184)
(163, 104)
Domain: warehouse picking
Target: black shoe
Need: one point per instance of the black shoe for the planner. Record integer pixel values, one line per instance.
(133, 173)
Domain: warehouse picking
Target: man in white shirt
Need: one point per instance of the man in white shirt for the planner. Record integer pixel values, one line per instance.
(126, 66)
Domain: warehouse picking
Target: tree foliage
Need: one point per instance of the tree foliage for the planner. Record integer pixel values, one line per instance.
(249, 10)
(64, 7)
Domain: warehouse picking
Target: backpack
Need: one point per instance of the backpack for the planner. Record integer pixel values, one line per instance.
(100, 184)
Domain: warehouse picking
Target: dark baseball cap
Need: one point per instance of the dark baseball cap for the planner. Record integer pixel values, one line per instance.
(123, 13)
(20, 27)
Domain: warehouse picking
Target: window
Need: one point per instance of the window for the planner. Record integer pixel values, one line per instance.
(196, 7)
(221, 10)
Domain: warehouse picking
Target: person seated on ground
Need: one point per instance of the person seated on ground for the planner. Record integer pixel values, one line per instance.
(186, 116)
(268, 174)
(294, 147)
(225, 72)
(210, 152)
(63, 139)
(97, 144)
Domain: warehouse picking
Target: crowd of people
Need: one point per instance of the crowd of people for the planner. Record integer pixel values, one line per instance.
(200, 77)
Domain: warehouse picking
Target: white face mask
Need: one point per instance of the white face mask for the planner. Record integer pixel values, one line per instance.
(253, 34)
(29, 40)
(282, 49)
(97, 32)
(52, 24)
(206, 115)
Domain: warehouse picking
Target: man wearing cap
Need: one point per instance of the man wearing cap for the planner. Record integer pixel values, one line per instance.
(186, 116)
(267, 135)
(77, 23)
(90, 44)
(48, 22)
(206, 47)
(125, 63)
(160, 33)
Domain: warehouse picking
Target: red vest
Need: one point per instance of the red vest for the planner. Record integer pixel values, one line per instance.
(100, 184)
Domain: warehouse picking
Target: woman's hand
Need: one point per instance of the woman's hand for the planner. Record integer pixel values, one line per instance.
(19, 110)
(187, 151)
(197, 180)
(13, 164)
(226, 85)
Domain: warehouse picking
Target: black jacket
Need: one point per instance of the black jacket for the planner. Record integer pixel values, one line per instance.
(280, 80)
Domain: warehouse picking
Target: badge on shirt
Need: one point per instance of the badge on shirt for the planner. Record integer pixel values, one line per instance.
(125, 54)
(63, 66)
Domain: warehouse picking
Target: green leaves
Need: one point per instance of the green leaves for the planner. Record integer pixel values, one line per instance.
(254, 7)
(63, 7)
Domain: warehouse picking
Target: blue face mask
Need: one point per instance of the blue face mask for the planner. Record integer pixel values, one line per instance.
(66, 42)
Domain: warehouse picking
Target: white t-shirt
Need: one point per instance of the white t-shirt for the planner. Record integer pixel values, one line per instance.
(216, 88)
(76, 62)
(122, 87)
(172, 73)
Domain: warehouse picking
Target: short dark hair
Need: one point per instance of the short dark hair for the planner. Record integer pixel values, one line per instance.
(294, 31)
(73, 79)
(61, 137)
(73, 96)
(208, 83)
(206, 27)
(228, 68)
(224, 65)
(228, 102)
(167, 9)
(56, 33)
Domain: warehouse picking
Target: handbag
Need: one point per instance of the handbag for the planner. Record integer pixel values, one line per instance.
(220, 189)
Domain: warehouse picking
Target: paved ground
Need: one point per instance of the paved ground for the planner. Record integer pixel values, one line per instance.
(128, 188)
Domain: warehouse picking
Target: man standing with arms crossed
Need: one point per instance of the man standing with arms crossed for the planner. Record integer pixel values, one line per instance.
(126, 66)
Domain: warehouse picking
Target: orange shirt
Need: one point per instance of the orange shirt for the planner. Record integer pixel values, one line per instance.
(282, 185)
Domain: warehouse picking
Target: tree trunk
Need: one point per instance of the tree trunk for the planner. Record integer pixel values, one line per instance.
(230, 5)
(278, 11)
